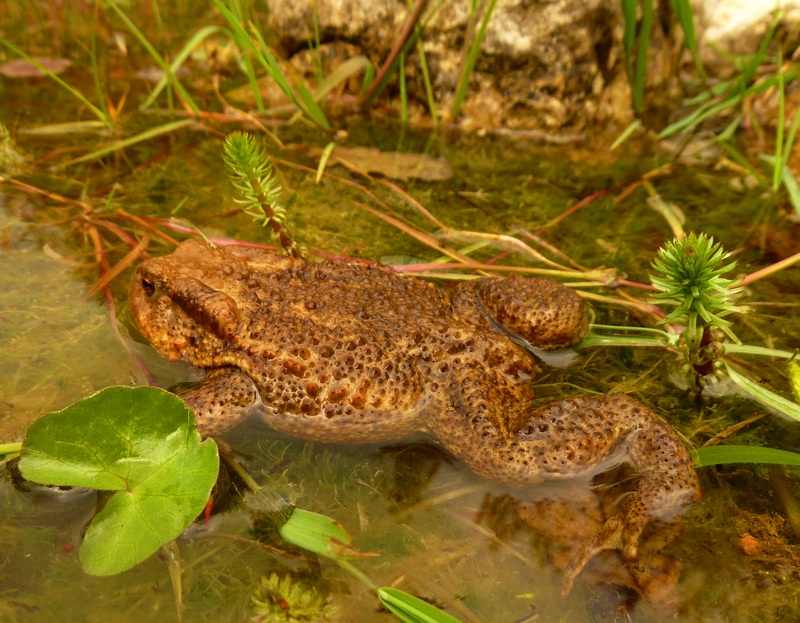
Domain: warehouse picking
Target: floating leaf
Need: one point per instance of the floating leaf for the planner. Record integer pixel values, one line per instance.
(139, 442)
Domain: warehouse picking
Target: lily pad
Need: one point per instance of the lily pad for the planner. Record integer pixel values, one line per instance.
(139, 442)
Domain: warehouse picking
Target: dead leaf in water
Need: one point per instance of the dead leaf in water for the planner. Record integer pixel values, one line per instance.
(22, 68)
(396, 165)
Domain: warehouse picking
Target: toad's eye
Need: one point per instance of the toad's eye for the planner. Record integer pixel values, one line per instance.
(149, 286)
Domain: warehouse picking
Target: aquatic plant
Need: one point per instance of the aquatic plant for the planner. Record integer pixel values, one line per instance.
(252, 174)
(286, 600)
(690, 277)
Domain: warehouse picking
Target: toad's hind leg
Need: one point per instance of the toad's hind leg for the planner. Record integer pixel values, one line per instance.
(547, 314)
(668, 481)
(582, 437)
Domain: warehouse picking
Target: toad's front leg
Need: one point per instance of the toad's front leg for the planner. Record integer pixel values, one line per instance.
(226, 397)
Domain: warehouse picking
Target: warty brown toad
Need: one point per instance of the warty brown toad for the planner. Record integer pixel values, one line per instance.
(353, 352)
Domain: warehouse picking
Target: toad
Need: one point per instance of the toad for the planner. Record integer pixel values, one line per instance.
(352, 352)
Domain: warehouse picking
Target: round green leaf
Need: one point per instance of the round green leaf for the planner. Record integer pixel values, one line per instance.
(139, 442)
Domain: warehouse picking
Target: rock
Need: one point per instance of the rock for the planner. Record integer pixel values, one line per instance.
(551, 66)
(737, 26)
(543, 64)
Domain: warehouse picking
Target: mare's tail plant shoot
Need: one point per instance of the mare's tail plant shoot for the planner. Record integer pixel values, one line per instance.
(690, 277)
(252, 174)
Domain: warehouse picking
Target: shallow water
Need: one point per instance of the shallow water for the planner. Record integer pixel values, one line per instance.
(442, 534)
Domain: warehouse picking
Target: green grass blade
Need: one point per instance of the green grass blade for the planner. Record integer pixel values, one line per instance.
(268, 61)
(788, 179)
(474, 50)
(713, 108)
(629, 36)
(426, 80)
(683, 12)
(98, 84)
(740, 159)
(106, 119)
(763, 396)
(369, 76)
(793, 372)
(71, 127)
(787, 148)
(792, 188)
(187, 49)
(626, 133)
(253, 80)
(640, 71)
(698, 116)
(730, 130)
(132, 140)
(311, 108)
(716, 90)
(720, 455)
(176, 84)
(323, 161)
(758, 58)
(759, 351)
(777, 169)
(737, 94)
(412, 609)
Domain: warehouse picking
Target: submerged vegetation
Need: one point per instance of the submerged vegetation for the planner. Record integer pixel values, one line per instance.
(693, 309)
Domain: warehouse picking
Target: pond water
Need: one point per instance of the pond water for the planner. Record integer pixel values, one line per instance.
(442, 533)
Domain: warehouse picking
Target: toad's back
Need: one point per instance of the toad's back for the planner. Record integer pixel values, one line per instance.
(373, 352)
